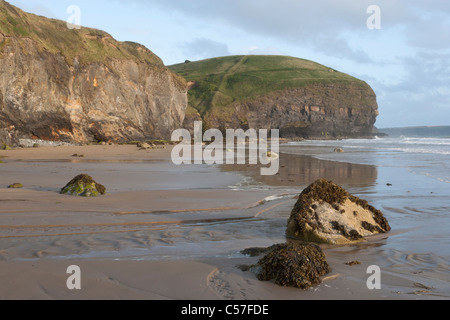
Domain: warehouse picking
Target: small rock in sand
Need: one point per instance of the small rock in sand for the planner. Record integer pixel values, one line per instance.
(84, 186)
(5, 147)
(15, 186)
(144, 146)
(353, 263)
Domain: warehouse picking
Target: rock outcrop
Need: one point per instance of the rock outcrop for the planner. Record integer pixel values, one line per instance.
(314, 111)
(84, 186)
(8, 137)
(326, 213)
(15, 186)
(300, 98)
(81, 85)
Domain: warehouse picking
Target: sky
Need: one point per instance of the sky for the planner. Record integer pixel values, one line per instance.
(401, 48)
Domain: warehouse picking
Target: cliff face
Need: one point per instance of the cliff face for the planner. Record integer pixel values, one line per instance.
(316, 111)
(91, 88)
(299, 97)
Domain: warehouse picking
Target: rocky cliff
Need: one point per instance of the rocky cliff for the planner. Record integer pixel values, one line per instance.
(81, 85)
(299, 97)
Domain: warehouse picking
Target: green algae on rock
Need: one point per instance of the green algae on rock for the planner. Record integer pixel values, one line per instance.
(84, 186)
(5, 147)
(15, 186)
(326, 213)
(298, 265)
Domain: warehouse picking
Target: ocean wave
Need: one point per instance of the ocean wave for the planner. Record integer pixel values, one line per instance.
(400, 144)
(427, 141)
(422, 150)
(434, 175)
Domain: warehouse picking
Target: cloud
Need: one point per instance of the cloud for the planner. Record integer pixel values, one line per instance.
(255, 50)
(319, 24)
(323, 25)
(35, 7)
(422, 97)
(430, 33)
(202, 48)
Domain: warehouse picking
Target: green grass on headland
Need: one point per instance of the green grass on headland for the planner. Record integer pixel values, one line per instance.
(222, 81)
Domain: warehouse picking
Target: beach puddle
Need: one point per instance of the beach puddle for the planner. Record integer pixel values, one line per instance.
(300, 171)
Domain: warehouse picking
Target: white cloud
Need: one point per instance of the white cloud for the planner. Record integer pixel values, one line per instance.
(422, 97)
(255, 50)
(202, 48)
(35, 7)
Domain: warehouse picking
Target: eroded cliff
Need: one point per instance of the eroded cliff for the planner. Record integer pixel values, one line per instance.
(81, 85)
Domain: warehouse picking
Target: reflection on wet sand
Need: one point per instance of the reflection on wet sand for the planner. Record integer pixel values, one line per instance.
(299, 170)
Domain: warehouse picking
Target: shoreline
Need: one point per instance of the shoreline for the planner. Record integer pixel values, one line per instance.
(165, 232)
(33, 143)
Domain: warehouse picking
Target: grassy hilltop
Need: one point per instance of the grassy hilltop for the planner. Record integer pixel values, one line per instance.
(87, 44)
(219, 82)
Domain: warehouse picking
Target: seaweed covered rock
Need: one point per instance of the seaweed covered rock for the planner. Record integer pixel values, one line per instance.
(15, 186)
(84, 186)
(298, 265)
(4, 146)
(326, 213)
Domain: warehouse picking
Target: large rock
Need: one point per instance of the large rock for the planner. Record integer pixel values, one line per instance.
(82, 85)
(326, 213)
(293, 265)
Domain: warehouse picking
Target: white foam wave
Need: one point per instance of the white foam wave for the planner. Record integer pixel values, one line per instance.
(401, 144)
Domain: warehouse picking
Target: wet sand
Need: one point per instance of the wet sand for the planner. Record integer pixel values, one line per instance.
(168, 232)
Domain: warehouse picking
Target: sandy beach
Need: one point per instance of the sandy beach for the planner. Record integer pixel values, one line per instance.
(166, 232)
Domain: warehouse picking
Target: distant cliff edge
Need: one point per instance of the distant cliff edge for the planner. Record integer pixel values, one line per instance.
(81, 85)
(300, 97)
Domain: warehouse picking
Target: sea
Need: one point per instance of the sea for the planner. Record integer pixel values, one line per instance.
(427, 156)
